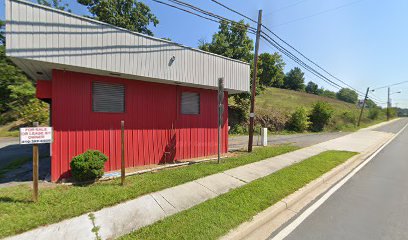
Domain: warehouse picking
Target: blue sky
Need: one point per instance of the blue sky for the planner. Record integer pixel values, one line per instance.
(362, 42)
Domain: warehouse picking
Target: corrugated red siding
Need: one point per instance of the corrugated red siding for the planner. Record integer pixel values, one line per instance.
(44, 89)
(153, 123)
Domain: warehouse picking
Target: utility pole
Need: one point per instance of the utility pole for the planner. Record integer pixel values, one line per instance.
(252, 110)
(220, 106)
(362, 108)
(35, 169)
(122, 158)
(388, 104)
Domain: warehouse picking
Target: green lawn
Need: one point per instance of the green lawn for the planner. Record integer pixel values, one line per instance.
(214, 218)
(19, 214)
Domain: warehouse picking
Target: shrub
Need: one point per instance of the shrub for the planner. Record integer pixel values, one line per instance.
(299, 120)
(320, 116)
(349, 117)
(272, 119)
(88, 165)
(238, 129)
(237, 119)
(373, 113)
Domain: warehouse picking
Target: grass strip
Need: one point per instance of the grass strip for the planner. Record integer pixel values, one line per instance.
(214, 218)
(19, 214)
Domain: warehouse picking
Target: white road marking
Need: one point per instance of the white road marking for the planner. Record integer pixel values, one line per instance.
(294, 224)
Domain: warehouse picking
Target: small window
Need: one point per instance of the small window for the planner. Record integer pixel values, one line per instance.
(190, 103)
(108, 97)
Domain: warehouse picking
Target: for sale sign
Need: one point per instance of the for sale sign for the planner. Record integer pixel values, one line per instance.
(35, 135)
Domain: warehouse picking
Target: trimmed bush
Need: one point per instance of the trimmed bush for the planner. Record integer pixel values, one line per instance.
(88, 165)
(320, 116)
(299, 120)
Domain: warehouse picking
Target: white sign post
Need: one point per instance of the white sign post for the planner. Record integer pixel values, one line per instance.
(35, 135)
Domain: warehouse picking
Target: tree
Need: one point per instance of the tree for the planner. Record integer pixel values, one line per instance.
(347, 95)
(312, 88)
(271, 70)
(295, 79)
(370, 104)
(320, 116)
(2, 32)
(328, 93)
(299, 120)
(231, 41)
(130, 14)
(10, 75)
(55, 4)
(17, 95)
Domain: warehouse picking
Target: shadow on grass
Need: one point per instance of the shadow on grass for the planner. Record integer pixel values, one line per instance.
(12, 200)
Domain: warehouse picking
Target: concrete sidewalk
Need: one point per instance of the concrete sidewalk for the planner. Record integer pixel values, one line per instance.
(145, 210)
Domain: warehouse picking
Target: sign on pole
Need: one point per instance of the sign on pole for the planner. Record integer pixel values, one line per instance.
(35, 135)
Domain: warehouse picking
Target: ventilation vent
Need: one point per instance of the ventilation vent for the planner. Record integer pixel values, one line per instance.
(108, 97)
(190, 103)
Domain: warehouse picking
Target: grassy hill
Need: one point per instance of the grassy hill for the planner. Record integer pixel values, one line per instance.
(274, 106)
(288, 100)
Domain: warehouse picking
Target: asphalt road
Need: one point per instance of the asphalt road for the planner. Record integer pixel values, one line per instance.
(301, 140)
(372, 205)
(11, 150)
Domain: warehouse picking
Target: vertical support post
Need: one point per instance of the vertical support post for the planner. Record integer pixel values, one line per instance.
(122, 165)
(388, 104)
(220, 113)
(253, 92)
(362, 108)
(35, 169)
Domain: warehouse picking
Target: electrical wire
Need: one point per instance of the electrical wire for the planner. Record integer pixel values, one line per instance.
(207, 14)
(289, 45)
(286, 7)
(390, 85)
(210, 16)
(318, 13)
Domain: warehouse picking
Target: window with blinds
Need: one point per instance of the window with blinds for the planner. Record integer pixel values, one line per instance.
(108, 97)
(190, 103)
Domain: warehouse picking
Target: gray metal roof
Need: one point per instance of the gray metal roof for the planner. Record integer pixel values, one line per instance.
(40, 39)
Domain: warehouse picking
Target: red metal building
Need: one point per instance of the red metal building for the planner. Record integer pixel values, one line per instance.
(165, 92)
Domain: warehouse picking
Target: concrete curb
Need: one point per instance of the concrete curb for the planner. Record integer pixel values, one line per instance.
(327, 180)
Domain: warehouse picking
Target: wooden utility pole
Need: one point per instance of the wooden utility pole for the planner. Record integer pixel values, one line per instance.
(35, 169)
(388, 104)
(220, 113)
(362, 108)
(122, 165)
(252, 110)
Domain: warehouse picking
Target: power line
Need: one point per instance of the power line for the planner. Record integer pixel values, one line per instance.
(390, 85)
(234, 11)
(208, 15)
(314, 63)
(297, 51)
(318, 13)
(187, 11)
(211, 16)
(298, 61)
(286, 7)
